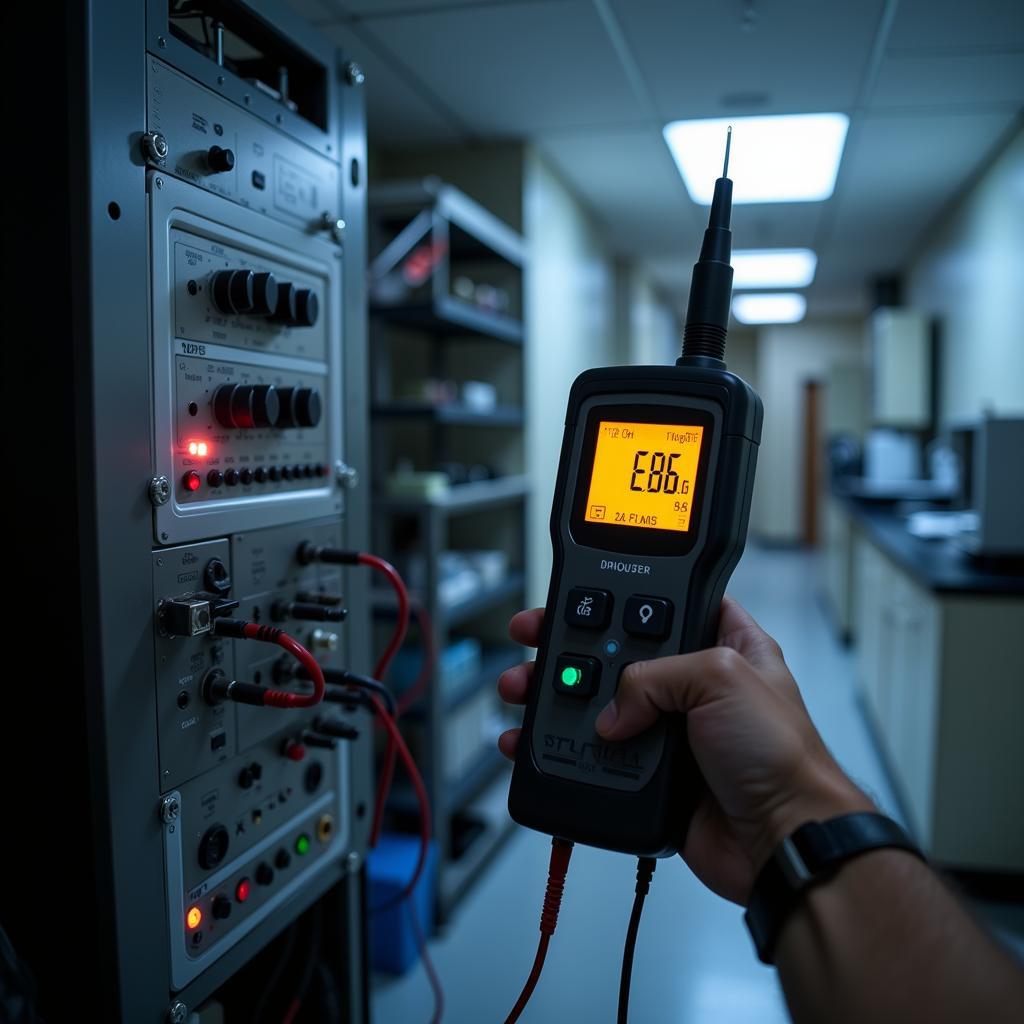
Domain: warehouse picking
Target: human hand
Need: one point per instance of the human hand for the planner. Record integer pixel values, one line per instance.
(767, 769)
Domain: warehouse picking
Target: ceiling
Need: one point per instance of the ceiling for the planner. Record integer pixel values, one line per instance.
(931, 87)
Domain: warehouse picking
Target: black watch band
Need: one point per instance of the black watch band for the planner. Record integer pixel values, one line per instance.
(812, 854)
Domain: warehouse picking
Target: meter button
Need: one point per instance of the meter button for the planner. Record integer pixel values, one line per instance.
(590, 609)
(647, 616)
(577, 675)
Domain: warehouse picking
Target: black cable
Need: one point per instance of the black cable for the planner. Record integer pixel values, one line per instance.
(275, 974)
(644, 872)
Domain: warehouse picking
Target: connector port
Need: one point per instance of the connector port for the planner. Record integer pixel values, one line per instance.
(186, 617)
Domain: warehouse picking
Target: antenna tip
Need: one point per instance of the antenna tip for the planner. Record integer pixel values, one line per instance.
(728, 145)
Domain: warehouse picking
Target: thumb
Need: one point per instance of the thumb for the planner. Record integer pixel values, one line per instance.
(676, 684)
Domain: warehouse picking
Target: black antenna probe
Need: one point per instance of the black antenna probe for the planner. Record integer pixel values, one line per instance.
(707, 312)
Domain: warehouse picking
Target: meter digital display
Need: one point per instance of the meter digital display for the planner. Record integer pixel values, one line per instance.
(644, 475)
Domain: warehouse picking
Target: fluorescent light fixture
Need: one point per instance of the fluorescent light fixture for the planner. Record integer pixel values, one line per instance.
(791, 158)
(773, 268)
(769, 308)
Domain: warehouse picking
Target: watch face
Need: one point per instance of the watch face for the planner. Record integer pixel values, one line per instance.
(642, 475)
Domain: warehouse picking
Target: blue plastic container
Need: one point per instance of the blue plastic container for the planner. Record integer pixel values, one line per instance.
(389, 868)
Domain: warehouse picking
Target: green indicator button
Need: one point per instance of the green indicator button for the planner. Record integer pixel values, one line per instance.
(571, 675)
(576, 676)
(302, 845)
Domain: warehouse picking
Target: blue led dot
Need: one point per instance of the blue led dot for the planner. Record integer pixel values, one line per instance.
(611, 648)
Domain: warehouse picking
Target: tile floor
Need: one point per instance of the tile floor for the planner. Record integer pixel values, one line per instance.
(694, 960)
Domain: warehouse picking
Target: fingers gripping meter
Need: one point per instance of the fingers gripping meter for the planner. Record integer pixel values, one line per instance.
(648, 521)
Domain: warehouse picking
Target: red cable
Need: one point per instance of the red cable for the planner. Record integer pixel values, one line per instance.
(238, 628)
(418, 786)
(402, 626)
(428, 664)
(558, 868)
(387, 772)
(428, 964)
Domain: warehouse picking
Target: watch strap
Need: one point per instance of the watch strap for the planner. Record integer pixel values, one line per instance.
(812, 854)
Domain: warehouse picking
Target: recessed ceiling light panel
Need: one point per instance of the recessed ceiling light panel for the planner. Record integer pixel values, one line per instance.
(769, 308)
(773, 268)
(790, 158)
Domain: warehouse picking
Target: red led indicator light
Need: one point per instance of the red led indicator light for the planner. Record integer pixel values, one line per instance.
(242, 890)
(194, 918)
(192, 481)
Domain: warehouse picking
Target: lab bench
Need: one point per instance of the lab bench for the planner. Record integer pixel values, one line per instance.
(940, 674)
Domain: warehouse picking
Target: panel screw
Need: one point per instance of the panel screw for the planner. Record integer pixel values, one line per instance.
(170, 808)
(346, 476)
(177, 1013)
(353, 861)
(161, 41)
(159, 489)
(334, 225)
(159, 182)
(354, 74)
(154, 147)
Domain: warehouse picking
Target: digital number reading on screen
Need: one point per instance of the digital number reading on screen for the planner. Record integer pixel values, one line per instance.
(644, 475)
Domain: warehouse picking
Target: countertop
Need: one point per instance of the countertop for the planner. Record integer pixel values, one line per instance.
(936, 564)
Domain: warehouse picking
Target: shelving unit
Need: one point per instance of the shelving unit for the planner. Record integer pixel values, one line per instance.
(435, 253)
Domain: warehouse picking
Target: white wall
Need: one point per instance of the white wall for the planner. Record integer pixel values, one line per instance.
(970, 273)
(787, 357)
(570, 317)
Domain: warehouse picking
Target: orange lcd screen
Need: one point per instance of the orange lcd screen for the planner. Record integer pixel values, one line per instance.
(644, 475)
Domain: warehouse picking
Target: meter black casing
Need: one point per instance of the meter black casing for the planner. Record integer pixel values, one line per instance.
(635, 796)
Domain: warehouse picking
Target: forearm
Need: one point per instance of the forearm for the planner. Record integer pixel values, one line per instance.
(885, 940)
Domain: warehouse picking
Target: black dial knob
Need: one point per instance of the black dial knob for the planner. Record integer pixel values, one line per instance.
(220, 159)
(307, 307)
(264, 295)
(300, 407)
(233, 290)
(284, 312)
(243, 406)
(264, 873)
(221, 907)
(213, 846)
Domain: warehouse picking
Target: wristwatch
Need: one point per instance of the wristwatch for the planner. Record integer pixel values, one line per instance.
(813, 854)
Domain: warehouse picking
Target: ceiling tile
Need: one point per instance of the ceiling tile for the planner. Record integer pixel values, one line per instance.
(802, 55)
(924, 24)
(628, 180)
(907, 80)
(901, 174)
(516, 69)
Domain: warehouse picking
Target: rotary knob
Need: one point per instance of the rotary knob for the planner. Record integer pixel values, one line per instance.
(296, 307)
(307, 307)
(264, 295)
(300, 407)
(284, 313)
(243, 291)
(220, 159)
(232, 290)
(244, 406)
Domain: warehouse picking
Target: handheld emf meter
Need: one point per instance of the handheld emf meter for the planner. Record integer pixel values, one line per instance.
(649, 519)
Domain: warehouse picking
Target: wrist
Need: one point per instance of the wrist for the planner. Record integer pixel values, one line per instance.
(824, 793)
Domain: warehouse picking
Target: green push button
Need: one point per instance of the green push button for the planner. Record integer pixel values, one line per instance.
(577, 675)
(302, 845)
(571, 675)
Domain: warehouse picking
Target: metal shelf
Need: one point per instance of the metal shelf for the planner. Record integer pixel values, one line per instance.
(462, 497)
(486, 599)
(458, 875)
(495, 661)
(454, 414)
(450, 315)
(383, 601)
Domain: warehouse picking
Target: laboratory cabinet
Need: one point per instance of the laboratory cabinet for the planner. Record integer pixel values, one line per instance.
(941, 680)
(901, 368)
